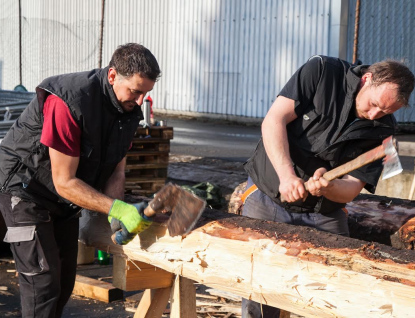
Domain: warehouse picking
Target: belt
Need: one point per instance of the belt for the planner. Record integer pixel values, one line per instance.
(248, 192)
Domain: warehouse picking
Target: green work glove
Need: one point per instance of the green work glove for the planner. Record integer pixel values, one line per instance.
(127, 220)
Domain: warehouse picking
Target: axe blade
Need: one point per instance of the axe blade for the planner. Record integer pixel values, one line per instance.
(186, 208)
(185, 213)
(391, 163)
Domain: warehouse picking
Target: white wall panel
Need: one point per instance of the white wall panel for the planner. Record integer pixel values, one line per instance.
(227, 57)
(9, 45)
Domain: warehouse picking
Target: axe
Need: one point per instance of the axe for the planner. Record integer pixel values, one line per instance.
(186, 209)
(391, 164)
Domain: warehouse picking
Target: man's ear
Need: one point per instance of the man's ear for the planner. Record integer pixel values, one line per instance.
(367, 77)
(111, 75)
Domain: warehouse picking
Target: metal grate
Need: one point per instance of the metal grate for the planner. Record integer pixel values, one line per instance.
(12, 104)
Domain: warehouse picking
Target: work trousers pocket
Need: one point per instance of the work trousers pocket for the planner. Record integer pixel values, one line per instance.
(27, 250)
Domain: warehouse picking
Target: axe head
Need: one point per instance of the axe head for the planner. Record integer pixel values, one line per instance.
(391, 163)
(186, 208)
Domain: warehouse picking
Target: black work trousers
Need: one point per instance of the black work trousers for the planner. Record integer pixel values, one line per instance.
(45, 251)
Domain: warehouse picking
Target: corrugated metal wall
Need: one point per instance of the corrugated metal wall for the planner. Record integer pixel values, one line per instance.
(57, 37)
(220, 56)
(386, 30)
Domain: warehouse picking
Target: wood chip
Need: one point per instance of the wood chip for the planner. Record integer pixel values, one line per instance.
(206, 296)
(237, 311)
(131, 309)
(7, 260)
(208, 303)
(224, 294)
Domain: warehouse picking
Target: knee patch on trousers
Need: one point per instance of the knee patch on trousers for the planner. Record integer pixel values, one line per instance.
(27, 250)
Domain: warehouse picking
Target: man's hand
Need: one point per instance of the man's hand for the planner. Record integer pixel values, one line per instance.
(292, 189)
(127, 220)
(407, 234)
(317, 185)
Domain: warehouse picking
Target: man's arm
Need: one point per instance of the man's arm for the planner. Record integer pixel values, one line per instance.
(274, 134)
(341, 190)
(73, 189)
(115, 186)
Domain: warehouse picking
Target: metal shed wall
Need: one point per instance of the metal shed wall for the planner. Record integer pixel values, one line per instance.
(228, 57)
(386, 30)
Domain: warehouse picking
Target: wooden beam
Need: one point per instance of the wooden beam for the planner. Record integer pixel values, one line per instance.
(183, 298)
(95, 289)
(131, 275)
(153, 303)
(298, 269)
(144, 303)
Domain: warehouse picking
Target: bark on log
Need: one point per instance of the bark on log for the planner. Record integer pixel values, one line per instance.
(376, 218)
(371, 218)
(299, 269)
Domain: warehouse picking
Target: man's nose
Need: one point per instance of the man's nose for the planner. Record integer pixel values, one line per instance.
(374, 112)
(139, 99)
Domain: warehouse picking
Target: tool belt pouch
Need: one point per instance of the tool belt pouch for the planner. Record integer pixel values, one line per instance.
(259, 166)
(27, 250)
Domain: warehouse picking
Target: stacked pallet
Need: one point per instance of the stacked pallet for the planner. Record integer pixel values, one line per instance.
(148, 159)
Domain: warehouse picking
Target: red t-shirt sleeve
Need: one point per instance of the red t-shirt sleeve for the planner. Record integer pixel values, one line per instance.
(60, 131)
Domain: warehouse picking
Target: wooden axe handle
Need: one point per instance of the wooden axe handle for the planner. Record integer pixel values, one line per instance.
(365, 158)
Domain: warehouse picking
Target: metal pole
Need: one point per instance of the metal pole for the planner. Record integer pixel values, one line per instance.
(101, 36)
(356, 31)
(20, 42)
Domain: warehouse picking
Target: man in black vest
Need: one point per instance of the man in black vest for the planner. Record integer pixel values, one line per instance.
(65, 152)
(328, 113)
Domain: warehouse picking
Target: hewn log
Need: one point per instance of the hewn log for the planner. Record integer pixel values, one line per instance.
(371, 218)
(298, 269)
(377, 218)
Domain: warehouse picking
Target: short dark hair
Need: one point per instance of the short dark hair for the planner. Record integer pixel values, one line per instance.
(132, 58)
(396, 72)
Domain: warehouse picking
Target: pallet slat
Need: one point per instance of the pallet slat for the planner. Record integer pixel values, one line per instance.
(156, 132)
(147, 160)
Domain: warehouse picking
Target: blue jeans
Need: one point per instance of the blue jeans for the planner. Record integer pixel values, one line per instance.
(260, 206)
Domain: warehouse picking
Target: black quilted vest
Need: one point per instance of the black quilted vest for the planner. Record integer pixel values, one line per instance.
(106, 135)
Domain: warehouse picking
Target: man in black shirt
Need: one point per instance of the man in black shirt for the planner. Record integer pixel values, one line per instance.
(327, 114)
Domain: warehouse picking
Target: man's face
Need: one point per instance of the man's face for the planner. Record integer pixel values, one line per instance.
(130, 91)
(373, 102)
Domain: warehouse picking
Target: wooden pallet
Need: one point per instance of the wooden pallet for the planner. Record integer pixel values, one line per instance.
(147, 160)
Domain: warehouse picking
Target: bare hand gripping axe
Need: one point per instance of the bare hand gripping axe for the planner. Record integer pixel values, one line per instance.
(186, 209)
(387, 150)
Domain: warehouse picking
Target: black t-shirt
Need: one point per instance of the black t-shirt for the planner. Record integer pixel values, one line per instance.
(324, 91)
